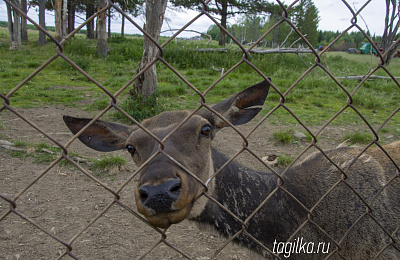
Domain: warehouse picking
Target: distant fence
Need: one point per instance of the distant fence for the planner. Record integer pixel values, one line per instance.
(89, 231)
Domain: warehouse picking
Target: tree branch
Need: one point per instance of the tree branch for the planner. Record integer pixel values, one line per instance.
(363, 76)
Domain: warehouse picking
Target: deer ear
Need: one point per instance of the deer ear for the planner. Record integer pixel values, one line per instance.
(240, 108)
(101, 135)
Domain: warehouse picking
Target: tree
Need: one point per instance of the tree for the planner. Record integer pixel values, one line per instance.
(109, 15)
(254, 25)
(280, 33)
(102, 48)
(14, 25)
(131, 7)
(305, 17)
(226, 8)
(311, 20)
(69, 8)
(358, 38)
(24, 27)
(64, 18)
(58, 19)
(146, 83)
(59, 7)
(42, 22)
(71, 15)
(248, 29)
(390, 31)
(90, 10)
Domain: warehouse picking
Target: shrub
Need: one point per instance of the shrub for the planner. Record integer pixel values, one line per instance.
(140, 108)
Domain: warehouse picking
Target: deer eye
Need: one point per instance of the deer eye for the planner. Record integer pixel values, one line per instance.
(130, 149)
(206, 131)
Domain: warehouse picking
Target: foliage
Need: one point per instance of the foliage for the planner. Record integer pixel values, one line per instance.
(284, 137)
(284, 160)
(358, 137)
(249, 28)
(288, 136)
(107, 163)
(139, 108)
(305, 17)
(252, 25)
(392, 24)
(41, 152)
(228, 8)
(127, 6)
(315, 99)
(187, 57)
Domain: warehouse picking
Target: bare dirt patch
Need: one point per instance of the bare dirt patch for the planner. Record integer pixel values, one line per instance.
(63, 200)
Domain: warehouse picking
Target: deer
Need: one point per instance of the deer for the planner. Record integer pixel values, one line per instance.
(346, 198)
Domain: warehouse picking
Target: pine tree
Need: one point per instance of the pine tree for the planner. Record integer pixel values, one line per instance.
(306, 19)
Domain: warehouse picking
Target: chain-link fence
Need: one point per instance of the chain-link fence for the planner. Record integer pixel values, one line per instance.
(92, 219)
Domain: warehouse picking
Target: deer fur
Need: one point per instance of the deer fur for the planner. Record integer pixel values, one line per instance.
(166, 194)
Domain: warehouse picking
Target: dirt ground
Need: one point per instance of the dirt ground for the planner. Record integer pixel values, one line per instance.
(64, 201)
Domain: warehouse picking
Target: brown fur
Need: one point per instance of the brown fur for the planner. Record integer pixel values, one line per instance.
(353, 197)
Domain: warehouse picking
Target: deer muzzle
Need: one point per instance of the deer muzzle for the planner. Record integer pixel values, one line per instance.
(163, 204)
(160, 198)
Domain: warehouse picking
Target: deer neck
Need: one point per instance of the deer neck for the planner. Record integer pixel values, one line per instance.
(239, 189)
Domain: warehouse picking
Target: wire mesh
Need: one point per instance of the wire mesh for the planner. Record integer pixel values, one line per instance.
(88, 233)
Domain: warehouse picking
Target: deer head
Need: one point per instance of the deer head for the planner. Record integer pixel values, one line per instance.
(165, 193)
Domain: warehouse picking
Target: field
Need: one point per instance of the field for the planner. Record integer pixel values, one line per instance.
(65, 200)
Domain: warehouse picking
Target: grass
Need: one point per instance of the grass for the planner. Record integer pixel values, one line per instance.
(139, 108)
(44, 153)
(287, 136)
(314, 100)
(358, 138)
(40, 152)
(284, 160)
(107, 166)
(109, 162)
(284, 137)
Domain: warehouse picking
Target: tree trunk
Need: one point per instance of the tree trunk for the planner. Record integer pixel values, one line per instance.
(24, 27)
(10, 25)
(102, 48)
(14, 26)
(123, 27)
(64, 18)
(90, 25)
(146, 84)
(109, 23)
(58, 18)
(390, 31)
(224, 14)
(42, 22)
(71, 16)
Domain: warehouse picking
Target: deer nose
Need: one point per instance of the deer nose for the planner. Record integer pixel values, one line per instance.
(160, 198)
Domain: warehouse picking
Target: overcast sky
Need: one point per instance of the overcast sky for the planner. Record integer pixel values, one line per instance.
(334, 15)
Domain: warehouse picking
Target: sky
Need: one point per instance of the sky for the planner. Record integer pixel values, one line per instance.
(334, 16)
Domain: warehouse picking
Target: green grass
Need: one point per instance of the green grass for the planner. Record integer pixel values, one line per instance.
(358, 138)
(40, 152)
(139, 108)
(284, 160)
(109, 162)
(44, 153)
(284, 137)
(314, 100)
(287, 136)
(107, 166)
